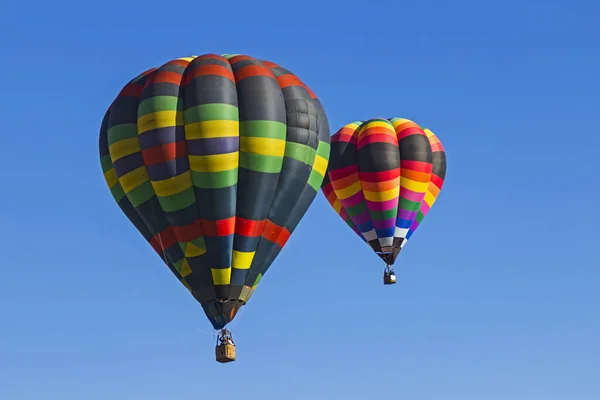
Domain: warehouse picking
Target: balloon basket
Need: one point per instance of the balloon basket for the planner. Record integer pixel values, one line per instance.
(225, 353)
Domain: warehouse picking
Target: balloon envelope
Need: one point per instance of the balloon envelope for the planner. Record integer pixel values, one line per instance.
(215, 159)
(383, 177)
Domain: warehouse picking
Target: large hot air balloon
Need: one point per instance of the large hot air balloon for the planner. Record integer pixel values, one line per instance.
(215, 159)
(383, 177)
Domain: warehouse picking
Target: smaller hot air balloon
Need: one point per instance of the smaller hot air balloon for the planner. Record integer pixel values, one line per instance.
(383, 177)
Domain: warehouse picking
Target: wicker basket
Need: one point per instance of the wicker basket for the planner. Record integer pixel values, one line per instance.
(225, 353)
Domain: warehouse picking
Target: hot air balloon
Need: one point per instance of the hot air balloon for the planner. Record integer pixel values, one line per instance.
(215, 160)
(383, 177)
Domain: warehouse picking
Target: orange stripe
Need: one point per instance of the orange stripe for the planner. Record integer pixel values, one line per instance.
(416, 175)
(380, 186)
(345, 181)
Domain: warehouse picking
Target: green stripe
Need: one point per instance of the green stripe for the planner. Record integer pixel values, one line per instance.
(121, 132)
(200, 243)
(357, 209)
(159, 103)
(264, 129)
(409, 205)
(141, 194)
(315, 179)
(258, 278)
(215, 180)
(178, 264)
(261, 163)
(177, 201)
(117, 192)
(323, 149)
(228, 56)
(211, 112)
(419, 217)
(106, 163)
(300, 152)
(384, 215)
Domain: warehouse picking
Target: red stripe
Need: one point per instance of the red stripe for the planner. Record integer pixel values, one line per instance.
(377, 138)
(411, 130)
(131, 89)
(163, 240)
(165, 77)
(269, 64)
(223, 227)
(165, 152)
(288, 80)
(344, 138)
(327, 188)
(182, 63)
(210, 56)
(248, 227)
(437, 147)
(437, 181)
(380, 176)
(252, 70)
(416, 165)
(238, 58)
(276, 233)
(190, 232)
(209, 69)
(340, 173)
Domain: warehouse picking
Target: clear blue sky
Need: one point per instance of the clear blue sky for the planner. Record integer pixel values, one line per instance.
(498, 290)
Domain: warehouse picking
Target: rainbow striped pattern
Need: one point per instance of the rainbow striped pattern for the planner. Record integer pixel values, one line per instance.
(215, 159)
(383, 177)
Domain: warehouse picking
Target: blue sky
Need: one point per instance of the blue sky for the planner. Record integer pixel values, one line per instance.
(498, 289)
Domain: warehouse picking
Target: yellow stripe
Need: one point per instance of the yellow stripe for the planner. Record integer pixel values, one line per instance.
(320, 165)
(111, 178)
(159, 119)
(171, 186)
(212, 129)
(419, 187)
(221, 276)
(215, 162)
(191, 250)
(429, 199)
(262, 146)
(124, 148)
(348, 191)
(187, 58)
(382, 196)
(375, 124)
(133, 179)
(401, 121)
(337, 206)
(185, 269)
(352, 126)
(242, 259)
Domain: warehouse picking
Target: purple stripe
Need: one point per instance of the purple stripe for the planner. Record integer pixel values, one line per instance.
(384, 224)
(407, 215)
(382, 206)
(128, 164)
(410, 195)
(160, 136)
(220, 145)
(353, 200)
(168, 169)
(361, 218)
